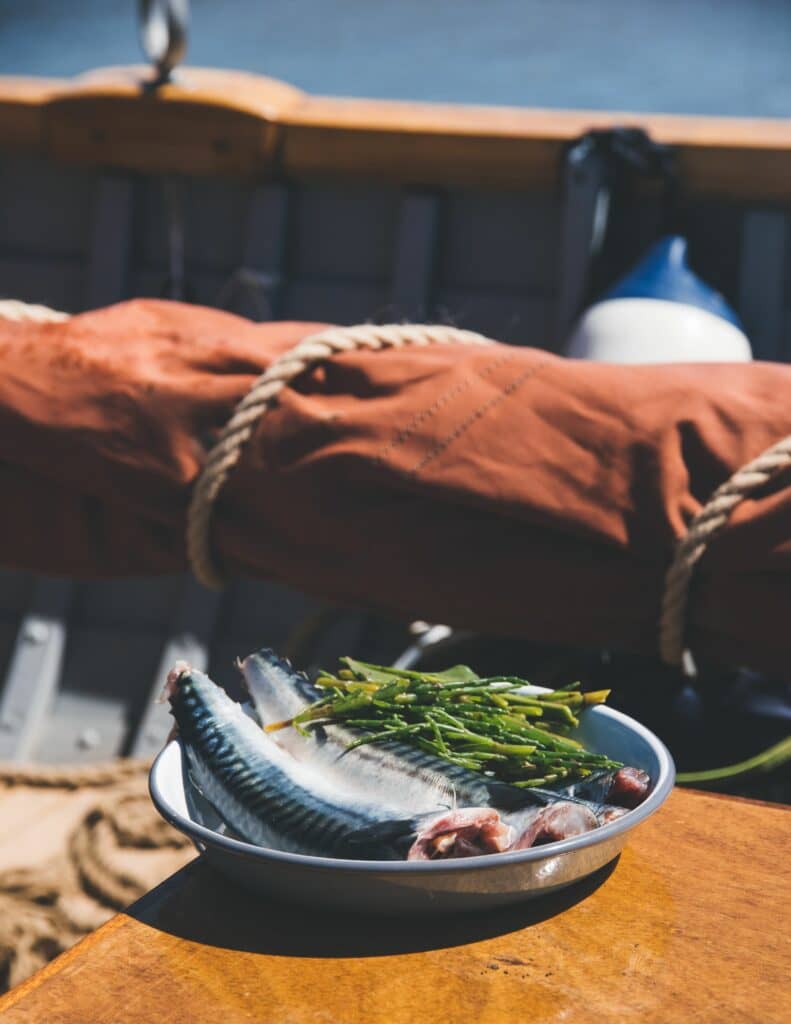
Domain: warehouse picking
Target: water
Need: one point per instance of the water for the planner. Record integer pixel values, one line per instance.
(686, 56)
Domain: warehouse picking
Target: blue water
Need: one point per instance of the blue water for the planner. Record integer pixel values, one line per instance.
(686, 56)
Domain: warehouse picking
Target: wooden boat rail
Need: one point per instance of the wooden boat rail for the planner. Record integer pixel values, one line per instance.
(212, 122)
(684, 928)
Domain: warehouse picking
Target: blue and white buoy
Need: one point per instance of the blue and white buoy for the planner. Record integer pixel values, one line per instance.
(661, 312)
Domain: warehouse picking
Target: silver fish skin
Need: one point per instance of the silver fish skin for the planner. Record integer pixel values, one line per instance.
(271, 799)
(416, 779)
(398, 773)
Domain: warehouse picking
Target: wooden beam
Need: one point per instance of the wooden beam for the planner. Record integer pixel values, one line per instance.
(501, 147)
(208, 123)
(229, 122)
(21, 107)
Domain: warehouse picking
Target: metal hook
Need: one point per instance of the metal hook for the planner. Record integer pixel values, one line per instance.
(163, 34)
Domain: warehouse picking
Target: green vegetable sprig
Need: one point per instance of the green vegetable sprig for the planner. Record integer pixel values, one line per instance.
(486, 724)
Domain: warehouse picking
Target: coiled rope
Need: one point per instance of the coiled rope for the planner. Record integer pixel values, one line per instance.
(114, 853)
(99, 774)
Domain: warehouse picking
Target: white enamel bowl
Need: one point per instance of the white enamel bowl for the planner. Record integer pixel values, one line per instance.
(407, 887)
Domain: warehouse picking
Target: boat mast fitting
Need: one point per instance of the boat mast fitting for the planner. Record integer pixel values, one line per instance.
(163, 34)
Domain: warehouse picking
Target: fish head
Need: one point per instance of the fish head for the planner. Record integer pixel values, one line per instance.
(180, 669)
(278, 692)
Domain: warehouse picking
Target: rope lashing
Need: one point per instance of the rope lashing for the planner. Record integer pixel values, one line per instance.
(263, 395)
(704, 526)
(12, 309)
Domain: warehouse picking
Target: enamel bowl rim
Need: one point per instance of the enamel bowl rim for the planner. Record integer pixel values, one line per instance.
(206, 836)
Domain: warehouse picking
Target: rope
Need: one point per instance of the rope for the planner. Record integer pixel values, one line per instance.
(263, 395)
(118, 848)
(708, 522)
(312, 350)
(11, 309)
(71, 776)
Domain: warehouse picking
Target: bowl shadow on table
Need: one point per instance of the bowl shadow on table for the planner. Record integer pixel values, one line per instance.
(200, 905)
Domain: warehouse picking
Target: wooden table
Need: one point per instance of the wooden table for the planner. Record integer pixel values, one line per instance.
(691, 925)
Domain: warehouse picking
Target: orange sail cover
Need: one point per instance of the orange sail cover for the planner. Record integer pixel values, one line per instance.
(496, 488)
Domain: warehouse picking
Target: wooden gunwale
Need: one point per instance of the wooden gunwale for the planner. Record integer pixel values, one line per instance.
(684, 928)
(213, 122)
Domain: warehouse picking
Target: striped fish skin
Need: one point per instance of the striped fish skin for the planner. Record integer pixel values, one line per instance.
(271, 799)
(265, 795)
(399, 773)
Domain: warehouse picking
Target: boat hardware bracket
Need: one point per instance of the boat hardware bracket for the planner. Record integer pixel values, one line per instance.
(598, 173)
(163, 35)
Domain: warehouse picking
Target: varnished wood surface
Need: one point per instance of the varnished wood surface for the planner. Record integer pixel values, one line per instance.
(226, 122)
(690, 925)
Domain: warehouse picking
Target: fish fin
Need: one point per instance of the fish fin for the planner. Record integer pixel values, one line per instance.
(385, 839)
(594, 788)
(385, 829)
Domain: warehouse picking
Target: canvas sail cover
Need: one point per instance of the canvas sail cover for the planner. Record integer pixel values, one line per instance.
(499, 488)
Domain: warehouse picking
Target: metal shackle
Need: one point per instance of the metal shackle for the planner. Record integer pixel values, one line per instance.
(163, 34)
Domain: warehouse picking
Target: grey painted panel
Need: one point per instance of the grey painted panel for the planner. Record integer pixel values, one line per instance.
(202, 286)
(254, 289)
(214, 218)
(83, 728)
(15, 590)
(266, 226)
(134, 603)
(106, 672)
(35, 663)
(513, 318)
(499, 241)
(189, 638)
(785, 355)
(150, 228)
(714, 230)
(148, 282)
(258, 615)
(339, 302)
(216, 215)
(34, 669)
(416, 247)
(343, 232)
(44, 208)
(56, 283)
(761, 290)
(262, 611)
(110, 242)
(8, 632)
